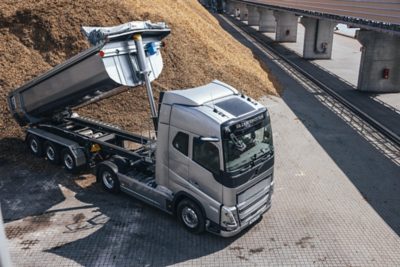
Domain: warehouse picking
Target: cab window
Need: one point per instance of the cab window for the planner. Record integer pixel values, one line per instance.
(181, 143)
(206, 155)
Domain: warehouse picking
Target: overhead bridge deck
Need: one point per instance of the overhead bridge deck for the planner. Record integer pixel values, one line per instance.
(378, 15)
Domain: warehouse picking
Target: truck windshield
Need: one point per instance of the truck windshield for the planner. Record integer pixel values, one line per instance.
(244, 148)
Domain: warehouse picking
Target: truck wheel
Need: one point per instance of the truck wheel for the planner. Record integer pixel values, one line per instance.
(108, 178)
(68, 160)
(191, 216)
(52, 152)
(35, 145)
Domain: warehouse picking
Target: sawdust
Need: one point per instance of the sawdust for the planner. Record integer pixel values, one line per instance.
(37, 35)
(85, 181)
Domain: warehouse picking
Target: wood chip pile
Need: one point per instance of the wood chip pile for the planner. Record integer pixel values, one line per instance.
(37, 35)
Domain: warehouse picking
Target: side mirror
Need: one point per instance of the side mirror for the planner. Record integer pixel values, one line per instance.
(209, 139)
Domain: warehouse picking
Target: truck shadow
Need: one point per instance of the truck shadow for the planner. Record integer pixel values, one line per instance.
(105, 229)
(135, 231)
(28, 186)
(369, 165)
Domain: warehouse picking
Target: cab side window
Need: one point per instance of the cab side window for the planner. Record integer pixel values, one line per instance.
(206, 155)
(181, 143)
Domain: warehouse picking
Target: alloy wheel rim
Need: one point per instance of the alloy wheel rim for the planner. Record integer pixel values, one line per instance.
(69, 161)
(189, 217)
(108, 179)
(51, 154)
(34, 146)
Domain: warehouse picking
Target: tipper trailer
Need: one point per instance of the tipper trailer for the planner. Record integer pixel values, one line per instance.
(211, 162)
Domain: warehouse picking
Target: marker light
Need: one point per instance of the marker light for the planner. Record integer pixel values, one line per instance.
(385, 74)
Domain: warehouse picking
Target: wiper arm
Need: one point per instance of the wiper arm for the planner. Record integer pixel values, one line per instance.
(244, 169)
(265, 153)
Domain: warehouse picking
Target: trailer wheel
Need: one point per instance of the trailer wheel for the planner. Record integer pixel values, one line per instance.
(68, 160)
(35, 145)
(191, 216)
(52, 152)
(108, 178)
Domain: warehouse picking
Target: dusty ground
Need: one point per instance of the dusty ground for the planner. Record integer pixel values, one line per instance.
(37, 35)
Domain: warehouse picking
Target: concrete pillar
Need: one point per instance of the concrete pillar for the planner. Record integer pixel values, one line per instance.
(233, 7)
(318, 38)
(221, 6)
(243, 12)
(286, 26)
(267, 20)
(237, 9)
(379, 67)
(253, 18)
(227, 7)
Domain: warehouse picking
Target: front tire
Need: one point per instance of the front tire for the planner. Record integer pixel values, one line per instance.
(191, 216)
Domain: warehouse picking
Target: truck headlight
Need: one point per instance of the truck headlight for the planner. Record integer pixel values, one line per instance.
(228, 219)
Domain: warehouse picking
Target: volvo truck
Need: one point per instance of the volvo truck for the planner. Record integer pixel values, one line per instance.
(210, 162)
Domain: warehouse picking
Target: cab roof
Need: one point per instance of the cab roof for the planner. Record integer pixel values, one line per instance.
(199, 96)
(216, 100)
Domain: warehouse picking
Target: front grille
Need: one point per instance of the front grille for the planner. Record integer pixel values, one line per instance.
(246, 214)
(249, 207)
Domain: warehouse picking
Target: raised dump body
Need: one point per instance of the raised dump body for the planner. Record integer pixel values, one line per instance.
(111, 62)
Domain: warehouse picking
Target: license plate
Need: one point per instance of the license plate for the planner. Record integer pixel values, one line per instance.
(254, 219)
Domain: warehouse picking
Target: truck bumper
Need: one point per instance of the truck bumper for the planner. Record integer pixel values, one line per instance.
(254, 219)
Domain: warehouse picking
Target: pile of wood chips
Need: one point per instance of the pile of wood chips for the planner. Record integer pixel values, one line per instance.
(37, 35)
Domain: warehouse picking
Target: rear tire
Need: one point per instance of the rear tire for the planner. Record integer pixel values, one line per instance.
(52, 152)
(69, 162)
(191, 216)
(108, 178)
(35, 145)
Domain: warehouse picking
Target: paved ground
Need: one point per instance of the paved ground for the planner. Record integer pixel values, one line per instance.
(336, 204)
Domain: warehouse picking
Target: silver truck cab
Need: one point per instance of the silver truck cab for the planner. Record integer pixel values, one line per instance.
(214, 146)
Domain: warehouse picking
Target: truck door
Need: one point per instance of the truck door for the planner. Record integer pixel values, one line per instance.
(205, 163)
(178, 154)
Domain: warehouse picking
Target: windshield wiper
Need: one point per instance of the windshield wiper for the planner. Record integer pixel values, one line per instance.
(265, 153)
(244, 169)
